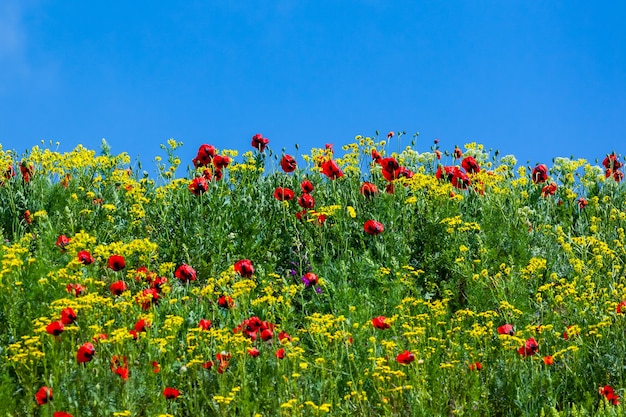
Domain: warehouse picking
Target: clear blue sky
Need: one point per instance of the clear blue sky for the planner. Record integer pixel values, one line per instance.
(533, 78)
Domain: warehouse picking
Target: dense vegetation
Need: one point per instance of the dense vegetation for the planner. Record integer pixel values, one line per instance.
(367, 283)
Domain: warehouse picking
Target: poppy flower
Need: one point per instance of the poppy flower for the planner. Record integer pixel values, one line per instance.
(288, 163)
(283, 194)
(458, 153)
(43, 395)
(99, 337)
(368, 189)
(27, 216)
(76, 289)
(438, 154)
(621, 307)
(460, 179)
(68, 316)
(85, 352)
(244, 268)
(220, 162)
(445, 172)
(617, 174)
(582, 202)
(117, 288)
(85, 258)
(204, 156)
(55, 328)
(405, 357)
(309, 279)
(306, 186)
(390, 135)
(373, 227)
(116, 262)
(254, 352)
(207, 365)
(548, 360)
(225, 302)
(391, 168)
(27, 169)
(470, 165)
(549, 189)
(156, 368)
(171, 393)
(530, 347)
(266, 335)
(376, 157)
(9, 172)
(506, 329)
(280, 353)
(284, 336)
(198, 186)
(306, 201)
(147, 298)
(612, 162)
(185, 273)
(120, 366)
(142, 325)
(62, 242)
(540, 174)
(61, 414)
(608, 392)
(301, 214)
(389, 189)
(331, 169)
(476, 366)
(259, 142)
(204, 324)
(380, 322)
(404, 173)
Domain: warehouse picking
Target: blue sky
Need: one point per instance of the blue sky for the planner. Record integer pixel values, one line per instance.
(537, 79)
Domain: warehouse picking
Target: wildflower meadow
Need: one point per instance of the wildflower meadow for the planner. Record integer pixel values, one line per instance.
(387, 277)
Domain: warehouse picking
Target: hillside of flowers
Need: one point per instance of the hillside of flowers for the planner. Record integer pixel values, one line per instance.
(369, 279)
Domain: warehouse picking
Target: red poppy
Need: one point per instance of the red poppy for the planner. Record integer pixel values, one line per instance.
(185, 273)
(389, 189)
(284, 336)
(306, 186)
(306, 201)
(204, 324)
(612, 162)
(85, 352)
(373, 227)
(288, 163)
(368, 189)
(621, 307)
(147, 298)
(254, 352)
(198, 185)
(540, 174)
(476, 366)
(156, 368)
(331, 169)
(266, 335)
(207, 365)
(85, 257)
(390, 135)
(530, 348)
(27, 217)
(616, 173)
(548, 360)
(76, 289)
(280, 353)
(309, 279)
(301, 214)
(376, 156)
(225, 302)
(282, 194)
(171, 393)
(380, 322)
(142, 325)
(99, 337)
(458, 153)
(405, 357)
(549, 189)
(120, 366)
(205, 155)
(259, 142)
(582, 202)
(62, 242)
(244, 268)
(445, 172)
(55, 328)
(438, 154)
(61, 414)
(460, 179)
(470, 165)
(506, 329)
(118, 287)
(68, 316)
(220, 162)
(391, 168)
(116, 262)
(608, 392)
(27, 169)
(43, 395)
